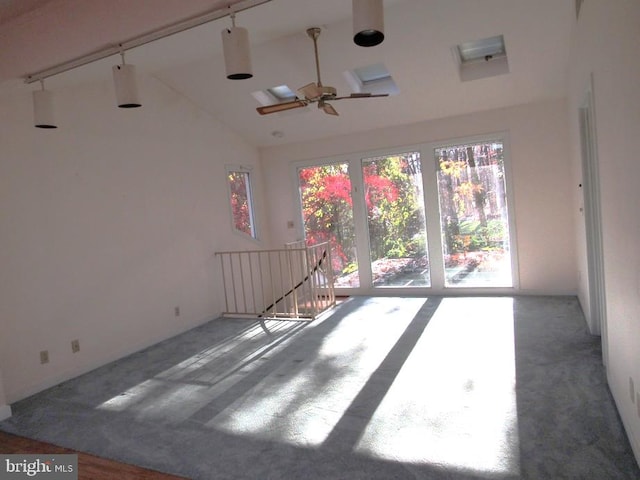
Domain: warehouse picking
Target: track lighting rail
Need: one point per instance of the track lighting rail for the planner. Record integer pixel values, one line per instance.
(230, 7)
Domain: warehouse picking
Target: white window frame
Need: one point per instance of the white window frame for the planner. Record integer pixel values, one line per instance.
(246, 170)
(433, 210)
(432, 213)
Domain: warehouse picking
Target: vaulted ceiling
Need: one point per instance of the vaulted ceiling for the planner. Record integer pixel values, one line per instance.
(417, 51)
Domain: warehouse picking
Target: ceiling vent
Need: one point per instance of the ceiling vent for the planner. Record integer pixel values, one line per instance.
(482, 58)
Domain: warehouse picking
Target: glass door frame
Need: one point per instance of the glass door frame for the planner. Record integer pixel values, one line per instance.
(433, 210)
(432, 214)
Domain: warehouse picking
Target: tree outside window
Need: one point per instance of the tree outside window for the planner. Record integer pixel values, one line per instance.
(242, 216)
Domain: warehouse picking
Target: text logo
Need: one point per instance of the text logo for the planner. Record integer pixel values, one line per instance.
(50, 467)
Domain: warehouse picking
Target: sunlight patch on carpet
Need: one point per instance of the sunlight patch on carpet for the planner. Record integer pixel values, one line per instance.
(302, 400)
(173, 395)
(453, 404)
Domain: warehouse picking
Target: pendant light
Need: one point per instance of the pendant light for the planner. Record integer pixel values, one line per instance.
(124, 79)
(237, 56)
(368, 22)
(43, 108)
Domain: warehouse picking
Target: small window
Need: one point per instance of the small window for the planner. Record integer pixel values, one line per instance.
(242, 215)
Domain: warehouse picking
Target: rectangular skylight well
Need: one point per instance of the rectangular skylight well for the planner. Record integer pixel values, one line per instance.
(484, 58)
(282, 93)
(276, 95)
(374, 79)
(372, 73)
(484, 49)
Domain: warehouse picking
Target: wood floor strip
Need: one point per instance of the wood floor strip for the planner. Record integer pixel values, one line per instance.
(89, 466)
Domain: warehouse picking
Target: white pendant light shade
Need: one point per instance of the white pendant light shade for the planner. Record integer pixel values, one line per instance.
(368, 22)
(237, 56)
(124, 79)
(43, 109)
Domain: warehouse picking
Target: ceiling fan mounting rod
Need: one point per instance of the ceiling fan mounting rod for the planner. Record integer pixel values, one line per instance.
(314, 92)
(314, 33)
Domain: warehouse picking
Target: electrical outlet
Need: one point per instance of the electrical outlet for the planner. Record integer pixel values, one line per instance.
(44, 357)
(176, 311)
(75, 346)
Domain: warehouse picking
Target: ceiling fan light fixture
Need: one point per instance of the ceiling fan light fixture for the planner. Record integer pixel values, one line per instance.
(368, 22)
(124, 80)
(43, 108)
(237, 55)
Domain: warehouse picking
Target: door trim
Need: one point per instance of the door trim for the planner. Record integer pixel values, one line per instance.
(593, 218)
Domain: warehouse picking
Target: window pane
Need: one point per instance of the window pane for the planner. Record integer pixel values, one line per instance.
(241, 208)
(394, 198)
(473, 215)
(327, 211)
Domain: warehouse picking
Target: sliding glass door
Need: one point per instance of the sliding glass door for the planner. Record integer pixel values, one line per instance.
(474, 220)
(327, 214)
(376, 211)
(394, 199)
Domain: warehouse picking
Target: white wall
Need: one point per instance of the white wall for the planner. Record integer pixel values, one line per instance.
(605, 43)
(541, 171)
(107, 224)
(5, 410)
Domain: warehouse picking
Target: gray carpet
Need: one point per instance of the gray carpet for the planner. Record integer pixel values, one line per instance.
(383, 388)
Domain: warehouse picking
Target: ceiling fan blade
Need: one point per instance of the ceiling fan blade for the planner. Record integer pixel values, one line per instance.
(281, 107)
(310, 91)
(363, 95)
(328, 108)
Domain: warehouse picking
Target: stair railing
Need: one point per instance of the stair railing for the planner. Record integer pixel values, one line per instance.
(295, 282)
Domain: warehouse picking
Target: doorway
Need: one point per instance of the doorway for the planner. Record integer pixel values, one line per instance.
(593, 220)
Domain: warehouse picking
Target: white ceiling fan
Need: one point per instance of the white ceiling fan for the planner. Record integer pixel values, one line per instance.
(314, 92)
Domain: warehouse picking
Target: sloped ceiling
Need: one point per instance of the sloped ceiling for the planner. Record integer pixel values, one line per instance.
(420, 36)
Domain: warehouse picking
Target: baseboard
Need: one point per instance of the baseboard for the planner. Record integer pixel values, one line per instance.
(63, 376)
(5, 412)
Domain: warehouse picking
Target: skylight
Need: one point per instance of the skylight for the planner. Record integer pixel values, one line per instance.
(274, 95)
(372, 73)
(374, 79)
(482, 58)
(485, 49)
(282, 93)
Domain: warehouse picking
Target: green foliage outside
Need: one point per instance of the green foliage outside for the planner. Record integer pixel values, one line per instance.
(396, 217)
(393, 200)
(472, 200)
